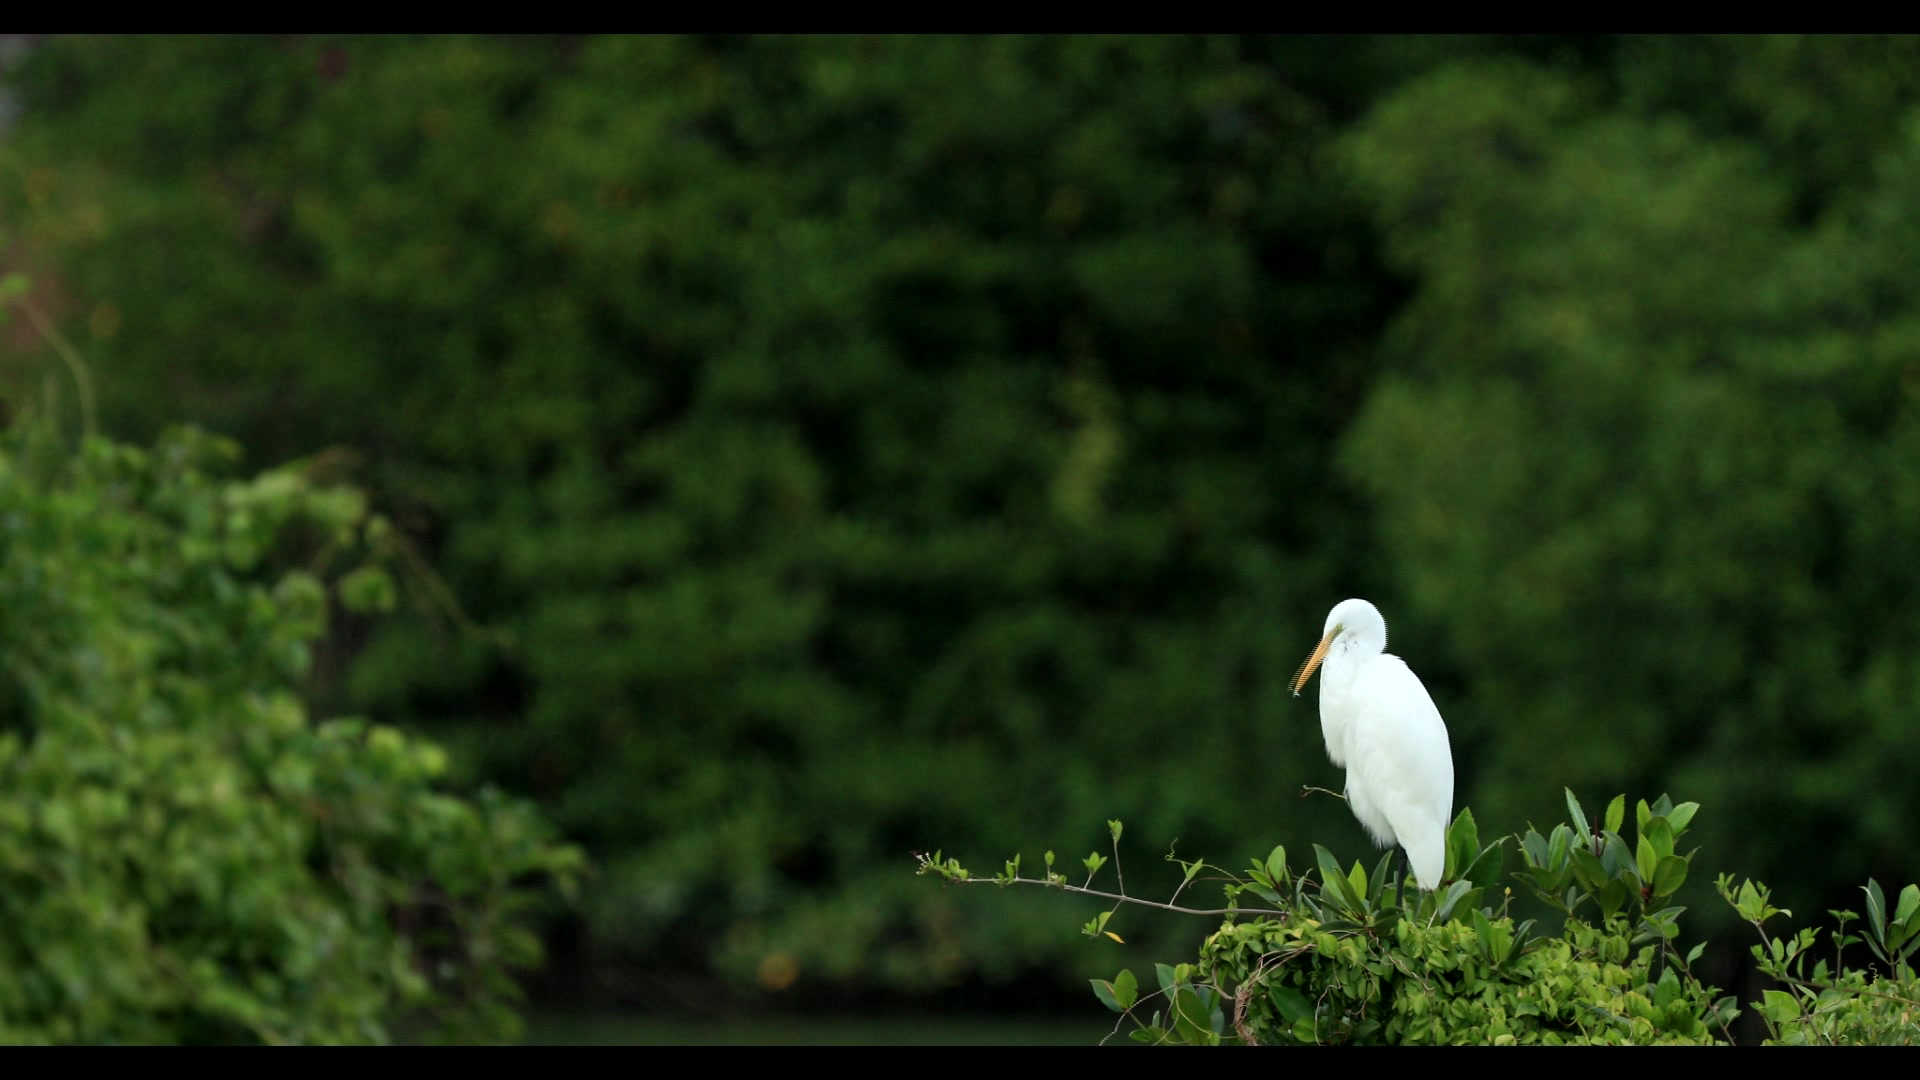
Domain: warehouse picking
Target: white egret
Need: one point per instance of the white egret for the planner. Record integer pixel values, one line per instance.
(1383, 727)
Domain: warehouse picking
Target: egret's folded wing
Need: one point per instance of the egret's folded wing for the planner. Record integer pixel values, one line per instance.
(1400, 750)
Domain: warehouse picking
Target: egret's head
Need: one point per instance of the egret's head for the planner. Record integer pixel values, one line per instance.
(1349, 618)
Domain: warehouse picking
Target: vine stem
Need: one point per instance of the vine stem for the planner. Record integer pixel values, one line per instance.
(1811, 985)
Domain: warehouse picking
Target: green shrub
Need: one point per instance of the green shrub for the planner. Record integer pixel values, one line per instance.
(1353, 958)
(184, 856)
(1354, 961)
(1839, 1006)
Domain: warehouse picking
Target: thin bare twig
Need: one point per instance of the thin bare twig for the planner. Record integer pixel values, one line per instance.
(1123, 898)
(83, 383)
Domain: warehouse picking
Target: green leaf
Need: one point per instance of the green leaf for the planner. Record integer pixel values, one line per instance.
(1444, 908)
(1779, 1006)
(1909, 904)
(1334, 880)
(1190, 1018)
(1293, 1005)
(1615, 857)
(1561, 847)
(1547, 882)
(1667, 990)
(1277, 864)
(1107, 994)
(1533, 848)
(1496, 939)
(1660, 834)
(1125, 989)
(1616, 813)
(1463, 844)
(1664, 923)
(1682, 816)
(1378, 882)
(1489, 865)
(1163, 973)
(1646, 860)
(1876, 914)
(1587, 866)
(1613, 897)
(1669, 875)
(1329, 866)
(1577, 815)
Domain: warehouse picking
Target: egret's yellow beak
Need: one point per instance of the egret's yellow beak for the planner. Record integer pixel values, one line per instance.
(1319, 654)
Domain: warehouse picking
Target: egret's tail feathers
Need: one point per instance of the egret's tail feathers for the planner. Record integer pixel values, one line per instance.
(1429, 858)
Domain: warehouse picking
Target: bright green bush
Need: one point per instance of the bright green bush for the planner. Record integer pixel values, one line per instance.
(1439, 984)
(1352, 957)
(1359, 963)
(1838, 1005)
(186, 857)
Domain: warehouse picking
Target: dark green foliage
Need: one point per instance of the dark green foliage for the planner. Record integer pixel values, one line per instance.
(1646, 453)
(850, 440)
(831, 444)
(184, 856)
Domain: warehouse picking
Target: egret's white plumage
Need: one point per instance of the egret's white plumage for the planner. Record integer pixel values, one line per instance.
(1382, 726)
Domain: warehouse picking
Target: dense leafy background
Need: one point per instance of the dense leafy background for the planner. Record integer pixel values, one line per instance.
(836, 447)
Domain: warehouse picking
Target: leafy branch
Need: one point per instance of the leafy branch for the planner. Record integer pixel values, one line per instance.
(1838, 1006)
(952, 871)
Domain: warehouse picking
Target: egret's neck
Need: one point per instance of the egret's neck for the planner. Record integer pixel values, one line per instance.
(1348, 654)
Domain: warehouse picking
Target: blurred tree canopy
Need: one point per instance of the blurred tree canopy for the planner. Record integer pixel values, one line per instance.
(824, 448)
(1647, 444)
